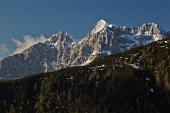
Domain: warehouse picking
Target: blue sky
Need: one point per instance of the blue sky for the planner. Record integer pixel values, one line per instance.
(19, 18)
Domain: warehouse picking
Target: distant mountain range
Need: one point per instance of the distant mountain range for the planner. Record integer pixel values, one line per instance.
(61, 50)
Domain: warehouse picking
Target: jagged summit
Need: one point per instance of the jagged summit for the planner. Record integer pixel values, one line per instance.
(63, 37)
(100, 25)
(149, 29)
(152, 29)
(61, 51)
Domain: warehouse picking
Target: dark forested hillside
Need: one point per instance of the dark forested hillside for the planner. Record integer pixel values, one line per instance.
(135, 81)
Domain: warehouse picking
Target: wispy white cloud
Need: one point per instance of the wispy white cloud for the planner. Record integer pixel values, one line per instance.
(28, 41)
(3, 51)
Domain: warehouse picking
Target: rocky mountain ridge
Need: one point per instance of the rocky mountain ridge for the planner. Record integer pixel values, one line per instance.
(61, 50)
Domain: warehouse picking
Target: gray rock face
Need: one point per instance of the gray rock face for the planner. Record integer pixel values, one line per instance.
(61, 51)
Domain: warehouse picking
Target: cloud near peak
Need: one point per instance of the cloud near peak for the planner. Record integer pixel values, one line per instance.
(28, 41)
(3, 51)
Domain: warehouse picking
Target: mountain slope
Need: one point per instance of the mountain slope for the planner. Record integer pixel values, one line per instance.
(61, 50)
(137, 80)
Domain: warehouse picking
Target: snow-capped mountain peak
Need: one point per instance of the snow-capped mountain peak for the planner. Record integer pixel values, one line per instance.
(61, 51)
(101, 24)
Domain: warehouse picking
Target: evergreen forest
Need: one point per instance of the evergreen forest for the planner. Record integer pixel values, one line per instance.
(135, 81)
